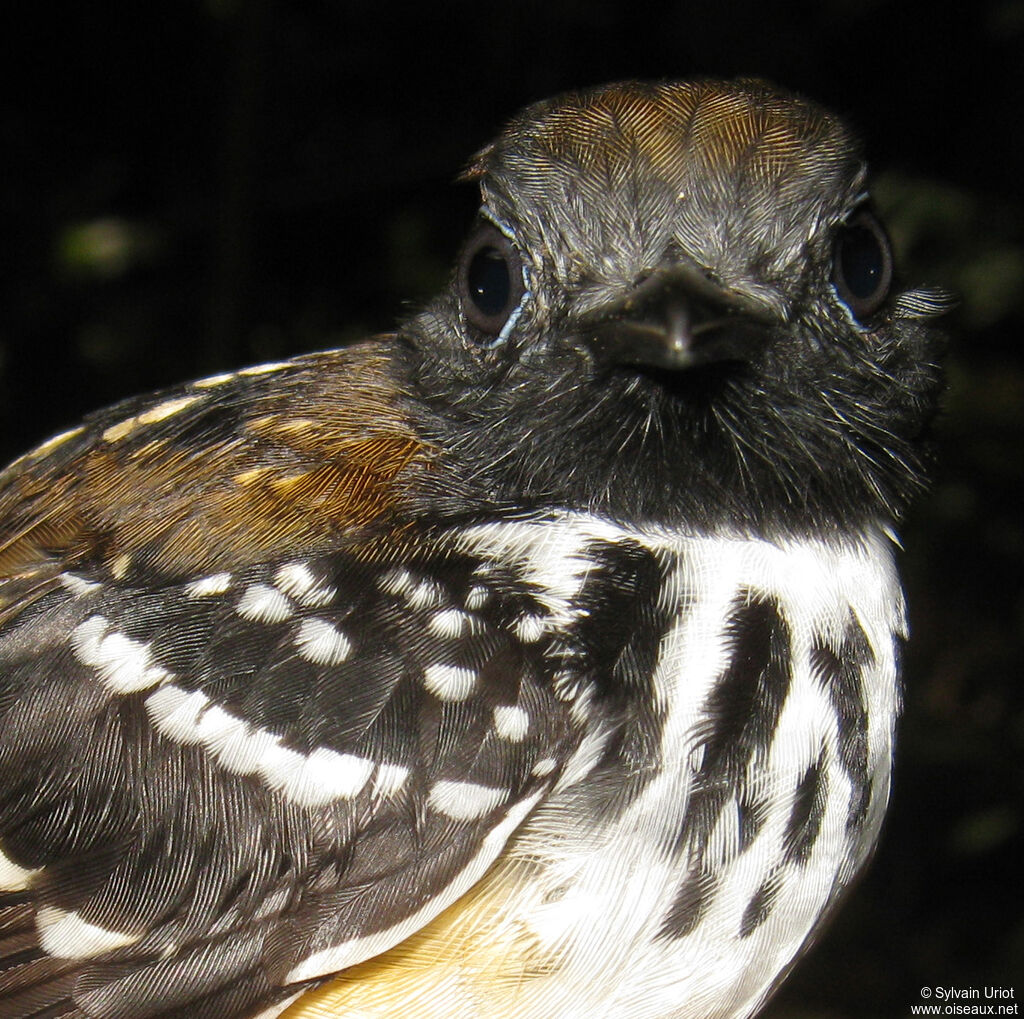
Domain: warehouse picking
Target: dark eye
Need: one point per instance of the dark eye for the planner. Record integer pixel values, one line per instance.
(862, 265)
(490, 279)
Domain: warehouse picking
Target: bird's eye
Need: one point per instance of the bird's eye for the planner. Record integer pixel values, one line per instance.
(490, 279)
(862, 265)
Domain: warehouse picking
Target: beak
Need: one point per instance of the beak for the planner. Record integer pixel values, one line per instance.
(676, 319)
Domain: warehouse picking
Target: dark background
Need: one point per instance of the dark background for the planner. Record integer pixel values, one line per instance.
(192, 186)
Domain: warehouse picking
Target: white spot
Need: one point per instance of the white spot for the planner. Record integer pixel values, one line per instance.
(14, 878)
(397, 582)
(175, 712)
(214, 380)
(167, 409)
(389, 779)
(297, 581)
(544, 766)
(451, 623)
(243, 749)
(319, 642)
(529, 628)
(67, 936)
(124, 664)
(265, 369)
(449, 682)
(231, 738)
(117, 432)
(465, 801)
(322, 776)
(77, 585)
(205, 587)
(148, 417)
(477, 597)
(425, 595)
(511, 722)
(264, 604)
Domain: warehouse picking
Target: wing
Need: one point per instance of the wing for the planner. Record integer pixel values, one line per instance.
(212, 790)
(307, 455)
(226, 771)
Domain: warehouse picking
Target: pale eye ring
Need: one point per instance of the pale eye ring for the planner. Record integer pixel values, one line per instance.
(490, 279)
(862, 265)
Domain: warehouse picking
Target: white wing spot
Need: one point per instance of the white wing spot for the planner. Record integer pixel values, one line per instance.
(148, 417)
(47, 447)
(206, 587)
(214, 380)
(530, 628)
(175, 712)
(124, 664)
(307, 779)
(465, 801)
(544, 767)
(167, 409)
(451, 623)
(123, 428)
(389, 779)
(511, 722)
(299, 582)
(397, 582)
(319, 642)
(425, 595)
(449, 682)
(265, 369)
(477, 597)
(66, 935)
(320, 777)
(264, 604)
(14, 878)
(77, 585)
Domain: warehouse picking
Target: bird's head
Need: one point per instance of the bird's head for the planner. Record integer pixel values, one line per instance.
(678, 304)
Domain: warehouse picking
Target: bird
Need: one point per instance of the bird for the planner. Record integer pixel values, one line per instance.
(539, 659)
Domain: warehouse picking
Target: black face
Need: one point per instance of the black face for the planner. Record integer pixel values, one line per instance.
(709, 347)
